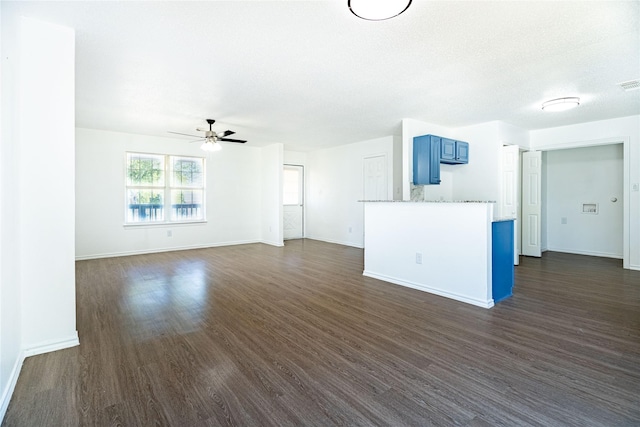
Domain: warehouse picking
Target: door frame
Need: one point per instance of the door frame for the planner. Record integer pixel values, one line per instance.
(531, 209)
(516, 187)
(626, 180)
(304, 196)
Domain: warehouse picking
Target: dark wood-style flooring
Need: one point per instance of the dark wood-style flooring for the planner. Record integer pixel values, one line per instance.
(255, 335)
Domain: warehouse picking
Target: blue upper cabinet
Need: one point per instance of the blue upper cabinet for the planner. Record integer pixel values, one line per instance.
(426, 160)
(454, 152)
(431, 150)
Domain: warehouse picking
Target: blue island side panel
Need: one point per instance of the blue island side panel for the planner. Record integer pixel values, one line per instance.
(502, 260)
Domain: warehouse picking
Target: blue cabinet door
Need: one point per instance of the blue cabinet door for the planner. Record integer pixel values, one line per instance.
(447, 150)
(426, 160)
(502, 260)
(454, 152)
(434, 169)
(462, 152)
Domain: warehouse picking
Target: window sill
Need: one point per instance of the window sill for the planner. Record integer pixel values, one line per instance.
(164, 224)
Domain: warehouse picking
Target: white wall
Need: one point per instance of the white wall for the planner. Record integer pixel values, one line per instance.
(10, 305)
(585, 175)
(452, 239)
(625, 130)
(295, 158)
(47, 107)
(271, 195)
(335, 183)
(234, 193)
(397, 167)
(37, 311)
(513, 135)
(480, 179)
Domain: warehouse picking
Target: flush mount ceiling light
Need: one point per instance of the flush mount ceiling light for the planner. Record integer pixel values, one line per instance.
(378, 10)
(561, 104)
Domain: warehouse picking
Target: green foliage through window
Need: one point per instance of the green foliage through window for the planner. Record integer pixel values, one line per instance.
(145, 169)
(186, 172)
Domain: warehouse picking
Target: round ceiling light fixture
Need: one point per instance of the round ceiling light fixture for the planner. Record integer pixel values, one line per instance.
(378, 10)
(561, 104)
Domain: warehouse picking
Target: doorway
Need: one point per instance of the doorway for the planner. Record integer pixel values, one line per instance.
(293, 202)
(582, 199)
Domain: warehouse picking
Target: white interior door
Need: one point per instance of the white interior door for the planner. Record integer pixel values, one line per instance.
(293, 201)
(510, 193)
(375, 178)
(531, 203)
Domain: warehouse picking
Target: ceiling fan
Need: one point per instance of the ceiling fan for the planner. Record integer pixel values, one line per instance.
(211, 138)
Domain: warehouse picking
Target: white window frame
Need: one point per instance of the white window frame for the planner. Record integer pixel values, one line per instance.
(165, 190)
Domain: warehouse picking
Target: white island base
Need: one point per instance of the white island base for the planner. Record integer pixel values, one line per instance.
(444, 248)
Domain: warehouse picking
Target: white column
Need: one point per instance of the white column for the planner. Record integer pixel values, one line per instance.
(46, 134)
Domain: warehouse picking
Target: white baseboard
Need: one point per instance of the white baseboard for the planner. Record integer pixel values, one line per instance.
(11, 385)
(48, 346)
(170, 249)
(589, 253)
(425, 288)
(276, 244)
(45, 347)
(634, 267)
(337, 242)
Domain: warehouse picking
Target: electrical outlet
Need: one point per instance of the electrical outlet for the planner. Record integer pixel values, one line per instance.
(350, 229)
(563, 220)
(169, 233)
(418, 258)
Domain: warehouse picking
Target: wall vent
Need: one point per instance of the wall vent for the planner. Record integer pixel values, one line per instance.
(630, 85)
(590, 208)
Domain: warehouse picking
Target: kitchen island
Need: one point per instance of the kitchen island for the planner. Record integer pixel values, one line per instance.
(445, 248)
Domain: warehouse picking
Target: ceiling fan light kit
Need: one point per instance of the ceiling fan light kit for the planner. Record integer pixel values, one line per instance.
(377, 10)
(561, 104)
(210, 145)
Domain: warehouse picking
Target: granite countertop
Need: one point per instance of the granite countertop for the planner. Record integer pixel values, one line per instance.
(428, 201)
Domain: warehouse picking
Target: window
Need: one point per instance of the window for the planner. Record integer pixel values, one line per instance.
(292, 185)
(154, 179)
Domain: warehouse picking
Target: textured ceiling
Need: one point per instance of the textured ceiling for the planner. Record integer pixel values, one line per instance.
(309, 74)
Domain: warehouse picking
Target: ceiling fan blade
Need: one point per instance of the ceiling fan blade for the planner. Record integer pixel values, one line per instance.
(197, 140)
(201, 129)
(232, 140)
(184, 134)
(227, 133)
